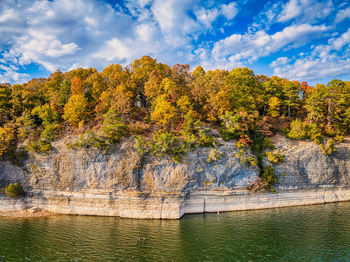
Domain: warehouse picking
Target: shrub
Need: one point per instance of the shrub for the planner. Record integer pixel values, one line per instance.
(137, 128)
(203, 136)
(89, 139)
(297, 130)
(257, 186)
(284, 130)
(163, 143)
(214, 155)
(275, 157)
(39, 146)
(329, 148)
(237, 126)
(269, 176)
(315, 133)
(13, 190)
(339, 139)
(195, 133)
(241, 154)
(252, 161)
(261, 143)
(142, 146)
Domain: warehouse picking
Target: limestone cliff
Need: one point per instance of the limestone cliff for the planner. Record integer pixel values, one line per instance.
(123, 183)
(123, 169)
(305, 165)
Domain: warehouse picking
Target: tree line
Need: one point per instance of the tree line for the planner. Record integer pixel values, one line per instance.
(168, 105)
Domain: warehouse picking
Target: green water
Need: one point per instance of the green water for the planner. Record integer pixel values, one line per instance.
(312, 233)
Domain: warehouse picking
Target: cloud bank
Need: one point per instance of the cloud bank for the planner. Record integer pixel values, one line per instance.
(298, 39)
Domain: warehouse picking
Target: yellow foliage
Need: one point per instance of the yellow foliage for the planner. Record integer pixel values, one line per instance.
(7, 137)
(164, 114)
(274, 106)
(76, 109)
(76, 86)
(184, 104)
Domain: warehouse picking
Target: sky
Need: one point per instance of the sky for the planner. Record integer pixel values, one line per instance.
(304, 40)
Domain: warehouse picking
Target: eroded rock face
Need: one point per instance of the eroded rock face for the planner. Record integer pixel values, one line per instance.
(124, 169)
(79, 170)
(306, 167)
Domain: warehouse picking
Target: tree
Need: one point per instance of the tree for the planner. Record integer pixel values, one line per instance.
(96, 84)
(113, 126)
(76, 110)
(274, 107)
(244, 90)
(316, 105)
(153, 86)
(291, 93)
(7, 137)
(164, 113)
(76, 87)
(198, 72)
(5, 104)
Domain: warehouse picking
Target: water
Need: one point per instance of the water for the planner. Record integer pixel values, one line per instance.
(312, 233)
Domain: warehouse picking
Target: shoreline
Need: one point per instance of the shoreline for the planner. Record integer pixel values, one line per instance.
(26, 214)
(140, 206)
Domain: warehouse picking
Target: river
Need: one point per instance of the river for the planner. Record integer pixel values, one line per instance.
(308, 233)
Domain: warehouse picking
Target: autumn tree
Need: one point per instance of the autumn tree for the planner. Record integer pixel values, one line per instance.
(5, 104)
(164, 112)
(76, 110)
(291, 94)
(7, 137)
(274, 107)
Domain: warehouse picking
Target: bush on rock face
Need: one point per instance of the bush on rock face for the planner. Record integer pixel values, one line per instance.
(13, 190)
(297, 130)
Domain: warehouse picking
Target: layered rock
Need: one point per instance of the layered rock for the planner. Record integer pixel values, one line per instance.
(122, 183)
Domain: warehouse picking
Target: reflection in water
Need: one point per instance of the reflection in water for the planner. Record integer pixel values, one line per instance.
(315, 233)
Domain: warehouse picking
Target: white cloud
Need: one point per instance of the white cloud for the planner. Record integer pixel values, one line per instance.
(342, 15)
(324, 61)
(305, 10)
(36, 43)
(236, 49)
(280, 61)
(230, 10)
(207, 16)
(172, 16)
(63, 34)
(114, 49)
(291, 10)
(9, 73)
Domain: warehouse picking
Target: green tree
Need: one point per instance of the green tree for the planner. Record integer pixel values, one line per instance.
(291, 93)
(113, 126)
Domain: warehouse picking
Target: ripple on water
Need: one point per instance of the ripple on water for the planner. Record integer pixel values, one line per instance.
(310, 233)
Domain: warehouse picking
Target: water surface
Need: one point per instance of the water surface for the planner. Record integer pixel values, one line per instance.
(311, 233)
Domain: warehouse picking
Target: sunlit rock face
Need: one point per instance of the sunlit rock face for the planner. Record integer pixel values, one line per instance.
(124, 169)
(305, 165)
(122, 183)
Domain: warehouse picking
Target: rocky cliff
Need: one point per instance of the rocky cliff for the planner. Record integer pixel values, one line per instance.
(119, 174)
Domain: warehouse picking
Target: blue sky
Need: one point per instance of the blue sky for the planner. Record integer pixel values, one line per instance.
(305, 40)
